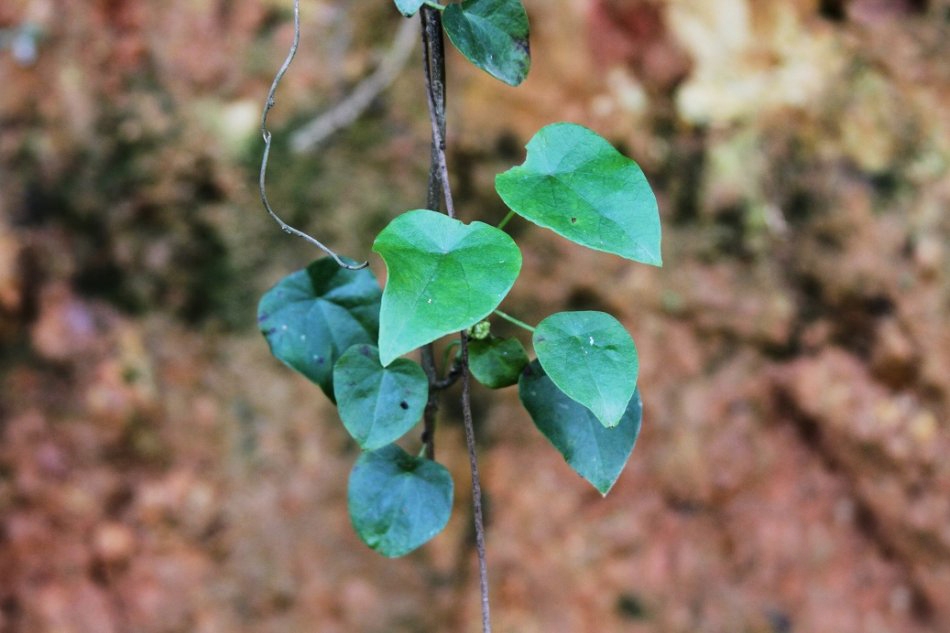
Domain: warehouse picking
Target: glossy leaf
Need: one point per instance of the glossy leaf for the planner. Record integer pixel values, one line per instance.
(408, 7)
(398, 502)
(591, 358)
(596, 453)
(493, 35)
(377, 404)
(313, 315)
(444, 276)
(576, 184)
(496, 362)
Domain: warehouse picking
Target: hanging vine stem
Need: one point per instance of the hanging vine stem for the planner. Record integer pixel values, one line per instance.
(435, 97)
(433, 59)
(439, 174)
(265, 133)
(476, 488)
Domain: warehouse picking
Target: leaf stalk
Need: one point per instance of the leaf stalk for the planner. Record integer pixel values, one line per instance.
(504, 222)
(511, 319)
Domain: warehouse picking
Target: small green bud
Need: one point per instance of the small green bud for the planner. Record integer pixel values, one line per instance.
(480, 331)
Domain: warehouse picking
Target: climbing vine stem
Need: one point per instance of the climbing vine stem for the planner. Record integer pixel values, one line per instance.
(268, 140)
(434, 51)
(434, 56)
(476, 488)
(433, 59)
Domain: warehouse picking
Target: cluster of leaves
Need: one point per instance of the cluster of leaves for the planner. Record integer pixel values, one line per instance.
(336, 326)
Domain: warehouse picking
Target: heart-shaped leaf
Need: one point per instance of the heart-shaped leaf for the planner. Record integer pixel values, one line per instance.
(596, 453)
(377, 404)
(496, 362)
(408, 7)
(398, 502)
(493, 35)
(313, 315)
(576, 184)
(591, 358)
(444, 276)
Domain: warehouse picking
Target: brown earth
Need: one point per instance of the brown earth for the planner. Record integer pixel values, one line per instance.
(160, 472)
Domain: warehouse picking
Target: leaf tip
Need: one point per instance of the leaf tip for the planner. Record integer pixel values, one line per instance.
(513, 81)
(604, 486)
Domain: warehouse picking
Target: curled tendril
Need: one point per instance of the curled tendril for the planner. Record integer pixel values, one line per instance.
(265, 133)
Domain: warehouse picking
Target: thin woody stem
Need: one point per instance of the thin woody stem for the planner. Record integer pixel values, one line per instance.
(439, 179)
(433, 45)
(265, 133)
(430, 413)
(476, 489)
(434, 66)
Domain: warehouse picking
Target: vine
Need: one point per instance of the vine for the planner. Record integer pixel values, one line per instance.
(446, 278)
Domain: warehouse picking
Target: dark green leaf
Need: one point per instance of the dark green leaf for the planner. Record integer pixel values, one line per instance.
(496, 362)
(493, 35)
(596, 453)
(444, 276)
(398, 502)
(377, 404)
(591, 358)
(313, 315)
(576, 184)
(408, 7)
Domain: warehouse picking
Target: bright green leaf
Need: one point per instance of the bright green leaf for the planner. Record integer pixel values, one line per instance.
(596, 453)
(398, 502)
(591, 358)
(444, 276)
(496, 362)
(493, 35)
(576, 184)
(313, 315)
(377, 404)
(408, 7)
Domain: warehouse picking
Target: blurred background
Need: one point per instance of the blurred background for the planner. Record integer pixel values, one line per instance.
(161, 473)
